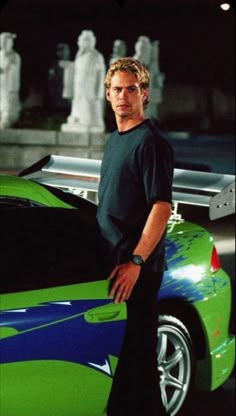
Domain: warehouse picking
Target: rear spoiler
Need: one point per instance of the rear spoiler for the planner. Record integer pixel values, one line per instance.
(80, 175)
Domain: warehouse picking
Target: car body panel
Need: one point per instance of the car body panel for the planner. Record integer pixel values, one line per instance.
(80, 367)
(12, 186)
(185, 280)
(53, 387)
(214, 314)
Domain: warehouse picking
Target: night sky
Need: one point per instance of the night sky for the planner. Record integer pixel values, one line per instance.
(196, 37)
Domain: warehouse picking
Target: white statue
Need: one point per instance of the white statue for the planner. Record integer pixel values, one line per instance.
(143, 51)
(156, 82)
(10, 66)
(119, 49)
(147, 52)
(84, 82)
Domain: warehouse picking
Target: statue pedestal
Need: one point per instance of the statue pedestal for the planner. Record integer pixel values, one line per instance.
(80, 128)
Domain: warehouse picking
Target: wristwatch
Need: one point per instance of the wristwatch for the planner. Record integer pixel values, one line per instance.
(136, 259)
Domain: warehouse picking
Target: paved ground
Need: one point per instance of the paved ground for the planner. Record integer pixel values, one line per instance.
(217, 403)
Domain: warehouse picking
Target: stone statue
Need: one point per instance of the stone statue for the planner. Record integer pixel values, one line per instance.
(87, 87)
(118, 50)
(147, 52)
(56, 75)
(156, 82)
(10, 66)
(143, 51)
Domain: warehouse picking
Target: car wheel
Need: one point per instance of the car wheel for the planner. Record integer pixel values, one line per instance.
(176, 363)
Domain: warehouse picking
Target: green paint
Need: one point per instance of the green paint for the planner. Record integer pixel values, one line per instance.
(93, 290)
(214, 315)
(52, 388)
(12, 186)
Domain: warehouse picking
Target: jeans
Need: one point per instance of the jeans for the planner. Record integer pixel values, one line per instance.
(135, 388)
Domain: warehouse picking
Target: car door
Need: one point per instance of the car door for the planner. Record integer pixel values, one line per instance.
(60, 333)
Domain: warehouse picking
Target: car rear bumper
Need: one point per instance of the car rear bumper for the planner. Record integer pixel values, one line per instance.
(219, 363)
(214, 313)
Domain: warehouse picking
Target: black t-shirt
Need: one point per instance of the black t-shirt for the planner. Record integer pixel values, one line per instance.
(137, 170)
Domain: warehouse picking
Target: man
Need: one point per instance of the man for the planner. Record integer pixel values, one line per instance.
(133, 210)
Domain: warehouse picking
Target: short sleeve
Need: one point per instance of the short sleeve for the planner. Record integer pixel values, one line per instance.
(157, 166)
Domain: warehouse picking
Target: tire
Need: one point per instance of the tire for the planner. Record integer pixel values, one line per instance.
(176, 363)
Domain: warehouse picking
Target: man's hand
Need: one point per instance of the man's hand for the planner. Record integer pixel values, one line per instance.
(125, 276)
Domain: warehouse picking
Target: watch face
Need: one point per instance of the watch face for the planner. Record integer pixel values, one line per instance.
(136, 259)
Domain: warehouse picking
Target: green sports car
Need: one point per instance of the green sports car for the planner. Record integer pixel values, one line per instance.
(60, 333)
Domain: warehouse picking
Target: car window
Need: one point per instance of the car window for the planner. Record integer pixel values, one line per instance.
(14, 202)
(43, 247)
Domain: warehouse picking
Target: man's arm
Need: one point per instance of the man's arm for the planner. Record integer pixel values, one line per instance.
(126, 275)
(153, 229)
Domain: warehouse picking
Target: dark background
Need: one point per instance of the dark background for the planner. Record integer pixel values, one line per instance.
(196, 36)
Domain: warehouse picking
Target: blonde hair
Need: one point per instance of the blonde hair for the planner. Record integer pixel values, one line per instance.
(129, 64)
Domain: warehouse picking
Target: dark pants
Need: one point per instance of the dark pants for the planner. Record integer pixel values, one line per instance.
(135, 389)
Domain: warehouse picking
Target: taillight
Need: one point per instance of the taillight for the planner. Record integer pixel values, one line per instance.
(215, 261)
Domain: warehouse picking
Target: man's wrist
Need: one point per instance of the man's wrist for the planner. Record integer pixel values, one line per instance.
(137, 260)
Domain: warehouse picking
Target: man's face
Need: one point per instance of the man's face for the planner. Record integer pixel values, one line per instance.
(125, 95)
